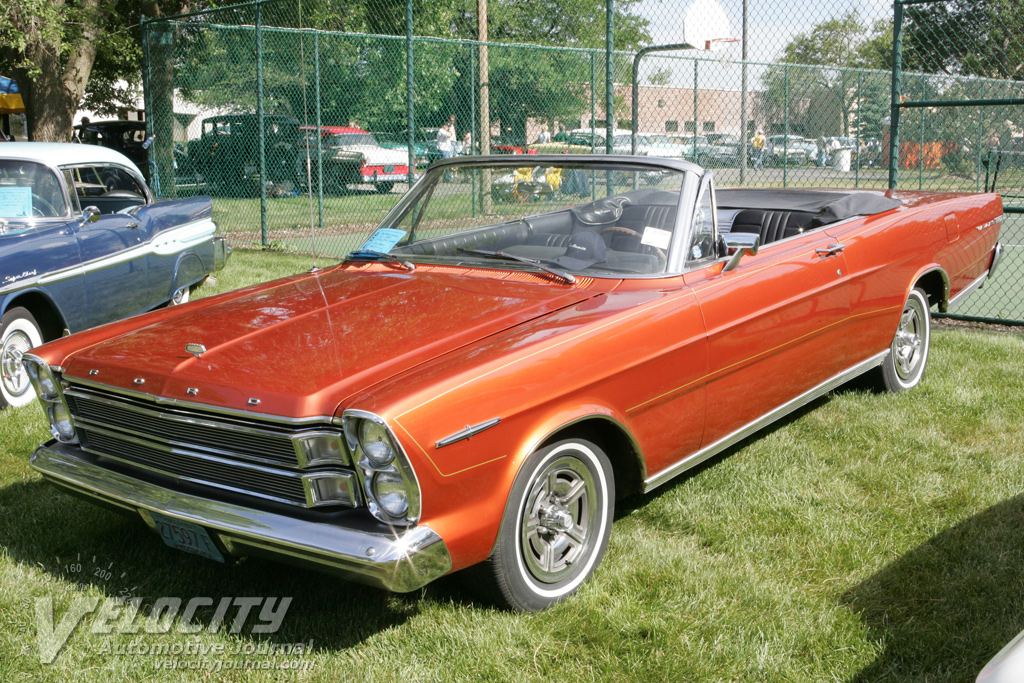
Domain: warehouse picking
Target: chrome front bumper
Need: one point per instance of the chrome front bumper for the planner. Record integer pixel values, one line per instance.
(400, 560)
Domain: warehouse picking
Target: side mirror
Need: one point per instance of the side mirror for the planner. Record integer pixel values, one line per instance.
(91, 213)
(743, 243)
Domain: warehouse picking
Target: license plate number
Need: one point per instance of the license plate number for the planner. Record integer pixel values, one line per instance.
(389, 169)
(186, 536)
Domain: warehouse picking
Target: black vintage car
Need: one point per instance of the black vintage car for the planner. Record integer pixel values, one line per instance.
(227, 156)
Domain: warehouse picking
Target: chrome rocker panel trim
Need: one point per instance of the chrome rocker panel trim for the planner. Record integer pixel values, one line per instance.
(780, 412)
(400, 561)
(955, 302)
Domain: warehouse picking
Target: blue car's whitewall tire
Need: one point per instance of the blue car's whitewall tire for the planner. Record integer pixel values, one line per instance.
(19, 333)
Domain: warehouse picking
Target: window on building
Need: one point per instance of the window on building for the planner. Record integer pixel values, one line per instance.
(671, 126)
(709, 126)
(690, 127)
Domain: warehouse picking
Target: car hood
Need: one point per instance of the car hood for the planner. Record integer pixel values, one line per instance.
(379, 155)
(298, 347)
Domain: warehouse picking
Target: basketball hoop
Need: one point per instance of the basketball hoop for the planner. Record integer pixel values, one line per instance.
(719, 45)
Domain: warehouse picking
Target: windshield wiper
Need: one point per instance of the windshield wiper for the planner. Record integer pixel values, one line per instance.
(522, 259)
(369, 254)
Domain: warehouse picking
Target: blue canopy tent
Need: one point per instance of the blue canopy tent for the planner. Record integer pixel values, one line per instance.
(10, 103)
(10, 97)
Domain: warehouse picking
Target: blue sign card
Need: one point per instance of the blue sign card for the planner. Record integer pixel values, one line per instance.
(383, 240)
(15, 202)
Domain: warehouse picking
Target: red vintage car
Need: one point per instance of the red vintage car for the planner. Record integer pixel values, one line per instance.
(481, 380)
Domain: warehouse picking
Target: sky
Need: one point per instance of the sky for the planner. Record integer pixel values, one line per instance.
(772, 23)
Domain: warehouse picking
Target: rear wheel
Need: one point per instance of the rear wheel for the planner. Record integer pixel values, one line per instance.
(19, 333)
(384, 188)
(904, 367)
(556, 525)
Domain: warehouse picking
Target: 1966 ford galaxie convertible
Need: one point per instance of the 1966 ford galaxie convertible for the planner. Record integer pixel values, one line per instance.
(82, 242)
(480, 381)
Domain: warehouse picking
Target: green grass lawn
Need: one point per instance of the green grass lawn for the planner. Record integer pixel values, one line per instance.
(866, 538)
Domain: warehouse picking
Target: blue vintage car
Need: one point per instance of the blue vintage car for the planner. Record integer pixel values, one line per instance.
(83, 242)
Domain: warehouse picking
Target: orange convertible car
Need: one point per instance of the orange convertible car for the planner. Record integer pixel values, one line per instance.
(483, 378)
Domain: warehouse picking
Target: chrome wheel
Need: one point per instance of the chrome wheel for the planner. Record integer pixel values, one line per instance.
(904, 367)
(907, 345)
(181, 296)
(556, 525)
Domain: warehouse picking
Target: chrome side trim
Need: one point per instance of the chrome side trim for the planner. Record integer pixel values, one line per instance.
(745, 431)
(967, 291)
(467, 433)
(997, 253)
(395, 559)
(200, 407)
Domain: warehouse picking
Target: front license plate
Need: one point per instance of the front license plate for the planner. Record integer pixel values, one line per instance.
(389, 169)
(186, 536)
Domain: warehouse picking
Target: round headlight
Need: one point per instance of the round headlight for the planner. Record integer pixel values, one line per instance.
(60, 422)
(389, 491)
(374, 441)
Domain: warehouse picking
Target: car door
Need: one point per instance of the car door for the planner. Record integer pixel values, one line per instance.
(776, 328)
(113, 245)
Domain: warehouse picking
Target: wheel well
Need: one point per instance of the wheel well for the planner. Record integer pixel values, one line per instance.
(936, 287)
(51, 323)
(617, 444)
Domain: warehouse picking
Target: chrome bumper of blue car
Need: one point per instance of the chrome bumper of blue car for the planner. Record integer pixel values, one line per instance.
(398, 559)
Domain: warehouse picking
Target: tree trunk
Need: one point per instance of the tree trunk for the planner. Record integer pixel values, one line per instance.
(52, 96)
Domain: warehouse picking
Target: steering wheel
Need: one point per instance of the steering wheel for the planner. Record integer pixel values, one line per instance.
(37, 200)
(620, 230)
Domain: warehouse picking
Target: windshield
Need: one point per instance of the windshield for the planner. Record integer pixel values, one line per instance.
(582, 217)
(29, 190)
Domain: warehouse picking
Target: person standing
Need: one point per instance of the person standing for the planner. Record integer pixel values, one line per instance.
(446, 142)
(545, 135)
(758, 145)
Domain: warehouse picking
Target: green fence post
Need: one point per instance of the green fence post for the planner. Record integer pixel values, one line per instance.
(147, 98)
(410, 91)
(860, 120)
(694, 138)
(319, 137)
(262, 131)
(785, 129)
(609, 81)
(981, 132)
(896, 94)
(593, 101)
(920, 154)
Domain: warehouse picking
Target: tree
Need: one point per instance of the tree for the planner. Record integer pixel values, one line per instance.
(363, 76)
(977, 38)
(64, 51)
(817, 77)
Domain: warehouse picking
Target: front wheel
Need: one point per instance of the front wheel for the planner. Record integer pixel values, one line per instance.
(19, 333)
(556, 525)
(904, 367)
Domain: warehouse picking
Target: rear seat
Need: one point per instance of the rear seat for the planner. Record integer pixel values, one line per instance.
(772, 225)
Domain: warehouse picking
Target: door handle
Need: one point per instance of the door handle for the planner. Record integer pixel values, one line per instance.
(830, 250)
(133, 225)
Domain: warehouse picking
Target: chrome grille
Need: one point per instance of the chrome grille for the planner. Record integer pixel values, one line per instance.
(229, 452)
(280, 486)
(195, 430)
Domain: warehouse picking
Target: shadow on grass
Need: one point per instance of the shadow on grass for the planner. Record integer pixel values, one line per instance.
(70, 539)
(945, 608)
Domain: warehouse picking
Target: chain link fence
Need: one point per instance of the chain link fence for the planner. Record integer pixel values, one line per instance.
(304, 121)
